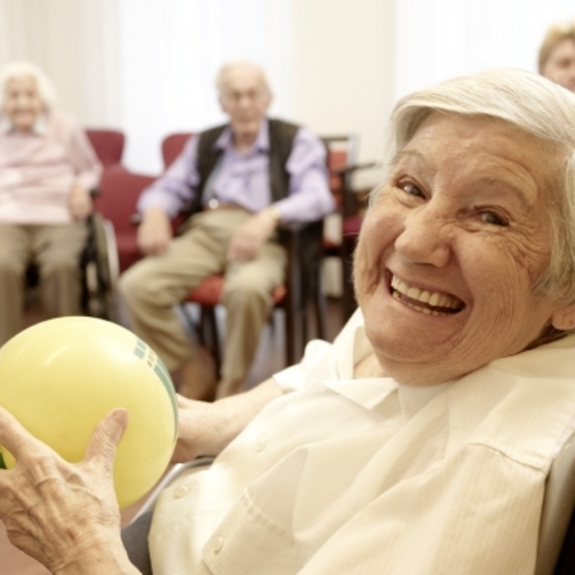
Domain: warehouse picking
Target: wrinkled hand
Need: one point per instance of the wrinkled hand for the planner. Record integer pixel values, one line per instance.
(206, 428)
(248, 239)
(63, 515)
(155, 232)
(80, 202)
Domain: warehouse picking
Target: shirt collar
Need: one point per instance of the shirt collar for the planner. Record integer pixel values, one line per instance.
(262, 143)
(39, 128)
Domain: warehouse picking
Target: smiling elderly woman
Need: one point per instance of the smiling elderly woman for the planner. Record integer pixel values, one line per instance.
(420, 441)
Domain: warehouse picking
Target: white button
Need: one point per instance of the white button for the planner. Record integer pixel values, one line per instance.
(218, 544)
(213, 203)
(261, 444)
(180, 491)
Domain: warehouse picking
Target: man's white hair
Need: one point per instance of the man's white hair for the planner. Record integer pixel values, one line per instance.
(20, 69)
(225, 71)
(531, 103)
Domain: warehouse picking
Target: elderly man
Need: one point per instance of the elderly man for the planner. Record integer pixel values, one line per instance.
(557, 55)
(47, 168)
(240, 180)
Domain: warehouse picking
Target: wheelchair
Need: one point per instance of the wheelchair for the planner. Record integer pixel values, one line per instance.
(556, 545)
(100, 269)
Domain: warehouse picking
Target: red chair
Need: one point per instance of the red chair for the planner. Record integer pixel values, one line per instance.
(108, 145)
(120, 190)
(173, 145)
(341, 162)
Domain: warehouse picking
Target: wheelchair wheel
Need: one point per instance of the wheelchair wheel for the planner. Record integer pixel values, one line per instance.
(100, 269)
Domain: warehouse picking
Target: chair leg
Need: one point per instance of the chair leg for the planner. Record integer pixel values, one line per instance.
(210, 335)
(320, 307)
(349, 303)
(192, 325)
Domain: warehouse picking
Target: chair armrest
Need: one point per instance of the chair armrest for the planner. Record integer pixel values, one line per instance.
(171, 476)
(350, 203)
(353, 168)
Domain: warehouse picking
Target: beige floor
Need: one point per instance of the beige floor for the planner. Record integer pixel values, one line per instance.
(270, 359)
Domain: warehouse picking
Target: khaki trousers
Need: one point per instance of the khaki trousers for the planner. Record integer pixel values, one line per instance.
(56, 250)
(151, 288)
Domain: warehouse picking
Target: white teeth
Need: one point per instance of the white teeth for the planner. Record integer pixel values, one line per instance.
(434, 299)
(424, 296)
(413, 293)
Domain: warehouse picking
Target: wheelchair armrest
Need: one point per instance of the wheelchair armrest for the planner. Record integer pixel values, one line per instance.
(344, 171)
(171, 476)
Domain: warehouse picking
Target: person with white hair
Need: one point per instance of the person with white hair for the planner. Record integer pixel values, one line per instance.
(47, 168)
(238, 181)
(421, 439)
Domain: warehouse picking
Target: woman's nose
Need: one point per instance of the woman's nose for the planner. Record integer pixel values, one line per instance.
(425, 237)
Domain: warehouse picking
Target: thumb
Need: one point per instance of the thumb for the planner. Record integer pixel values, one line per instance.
(102, 446)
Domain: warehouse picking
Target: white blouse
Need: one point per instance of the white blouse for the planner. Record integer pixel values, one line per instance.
(367, 476)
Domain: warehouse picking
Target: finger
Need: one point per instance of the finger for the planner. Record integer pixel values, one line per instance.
(105, 439)
(13, 436)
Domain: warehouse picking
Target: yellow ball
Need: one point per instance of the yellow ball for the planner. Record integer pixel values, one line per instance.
(59, 378)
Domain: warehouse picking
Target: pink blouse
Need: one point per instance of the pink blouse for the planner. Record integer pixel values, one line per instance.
(38, 170)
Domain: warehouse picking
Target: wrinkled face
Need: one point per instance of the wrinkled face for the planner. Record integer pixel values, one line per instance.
(245, 99)
(22, 102)
(560, 67)
(451, 248)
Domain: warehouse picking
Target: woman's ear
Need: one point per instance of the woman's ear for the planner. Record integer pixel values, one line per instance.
(564, 318)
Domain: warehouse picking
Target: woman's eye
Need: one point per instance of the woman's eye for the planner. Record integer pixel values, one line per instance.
(493, 218)
(412, 190)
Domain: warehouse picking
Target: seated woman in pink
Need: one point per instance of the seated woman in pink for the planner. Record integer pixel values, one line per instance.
(47, 168)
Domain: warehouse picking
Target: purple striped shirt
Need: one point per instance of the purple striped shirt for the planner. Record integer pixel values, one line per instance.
(243, 178)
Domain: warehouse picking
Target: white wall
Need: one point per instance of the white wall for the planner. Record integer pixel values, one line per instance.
(340, 72)
(343, 69)
(75, 42)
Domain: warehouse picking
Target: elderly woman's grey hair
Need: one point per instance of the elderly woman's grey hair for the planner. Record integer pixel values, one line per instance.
(20, 69)
(225, 71)
(536, 106)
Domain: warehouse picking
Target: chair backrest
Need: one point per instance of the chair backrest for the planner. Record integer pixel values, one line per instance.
(341, 154)
(172, 146)
(555, 553)
(108, 145)
(120, 191)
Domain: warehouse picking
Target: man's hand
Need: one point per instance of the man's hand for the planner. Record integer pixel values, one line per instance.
(80, 202)
(64, 515)
(206, 428)
(155, 232)
(248, 239)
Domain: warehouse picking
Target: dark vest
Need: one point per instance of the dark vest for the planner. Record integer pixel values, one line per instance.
(281, 137)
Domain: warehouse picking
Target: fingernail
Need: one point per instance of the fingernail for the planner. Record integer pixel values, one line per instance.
(120, 416)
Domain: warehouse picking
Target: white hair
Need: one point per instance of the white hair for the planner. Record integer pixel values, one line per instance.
(225, 71)
(531, 103)
(17, 70)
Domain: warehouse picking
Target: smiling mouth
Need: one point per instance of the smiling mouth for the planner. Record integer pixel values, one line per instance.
(425, 301)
